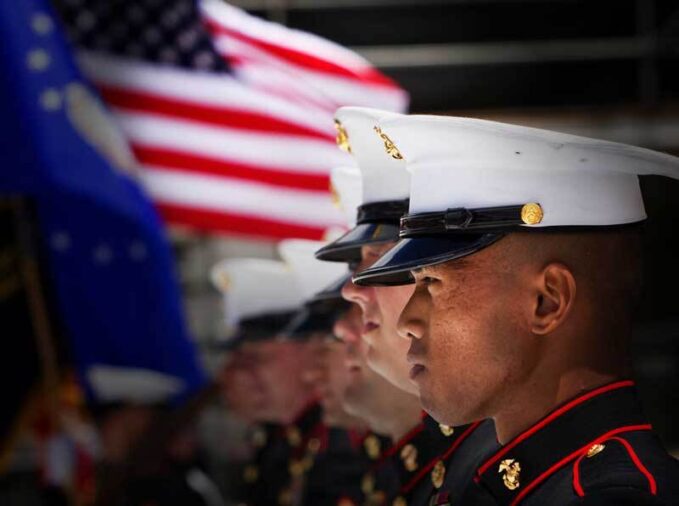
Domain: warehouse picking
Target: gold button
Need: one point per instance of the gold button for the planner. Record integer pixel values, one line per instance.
(438, 474)
(368, 483)
(314, 445)
(531, 214)
(285, 497)
(250, 473)
(594, 449)
(297, 467)
(294, 436)
(409, 457)
(259, 437)
(446, 430)
(372, 446)
(511, 469)
(399, 501)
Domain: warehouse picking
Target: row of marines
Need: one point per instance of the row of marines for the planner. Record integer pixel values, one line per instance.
(466, 341)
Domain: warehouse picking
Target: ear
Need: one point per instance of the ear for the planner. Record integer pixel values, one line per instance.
(554, 298)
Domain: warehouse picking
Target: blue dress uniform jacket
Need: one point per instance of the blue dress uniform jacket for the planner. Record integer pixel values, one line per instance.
(467, 447)
(597, 449)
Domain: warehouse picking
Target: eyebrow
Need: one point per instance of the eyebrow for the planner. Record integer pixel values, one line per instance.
(457, 264)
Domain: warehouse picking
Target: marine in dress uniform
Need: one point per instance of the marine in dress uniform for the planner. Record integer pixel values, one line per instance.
(480, 188)
(334, 463)
(430, 459)
(261, 296)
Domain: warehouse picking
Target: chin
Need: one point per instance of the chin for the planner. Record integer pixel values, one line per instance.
(446, 412)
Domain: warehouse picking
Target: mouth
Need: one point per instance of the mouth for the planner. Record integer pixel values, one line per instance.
(368, 327)
(416, 370)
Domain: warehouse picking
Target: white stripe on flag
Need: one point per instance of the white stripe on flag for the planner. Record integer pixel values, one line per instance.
(236, 196)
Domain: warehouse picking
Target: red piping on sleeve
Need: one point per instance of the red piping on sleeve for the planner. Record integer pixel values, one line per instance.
(542, 477)
(652, 485)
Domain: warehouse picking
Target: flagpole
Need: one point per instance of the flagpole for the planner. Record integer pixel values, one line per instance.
(30, 272)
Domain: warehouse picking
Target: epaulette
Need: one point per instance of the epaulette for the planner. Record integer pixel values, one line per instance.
(612, 464)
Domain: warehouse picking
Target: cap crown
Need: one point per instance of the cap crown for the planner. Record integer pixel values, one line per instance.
(471, 163)
(255, 287)
(383, 175)
(346, 183)
(311, 275)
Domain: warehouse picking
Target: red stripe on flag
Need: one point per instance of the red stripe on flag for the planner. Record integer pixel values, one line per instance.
(235, 224)
(177, 160)
(367, 75)
(221, 116)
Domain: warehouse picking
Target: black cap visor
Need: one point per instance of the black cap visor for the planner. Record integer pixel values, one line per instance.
(332, 292)
(348, 247)
(393, 268)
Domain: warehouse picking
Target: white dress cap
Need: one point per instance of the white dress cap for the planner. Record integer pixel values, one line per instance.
(255, 287)
(472, 163)
(312, 275)
(132, 385)
(346, 188)
(383, 173)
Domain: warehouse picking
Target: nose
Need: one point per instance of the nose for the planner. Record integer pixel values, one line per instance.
(355, 293)
(412, 323)
(346, 328)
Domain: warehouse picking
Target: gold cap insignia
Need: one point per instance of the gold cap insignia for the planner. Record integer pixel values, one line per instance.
(334, 196)
(511, 469)
(438, 474)
(250, 473)
(532, 214)
(294, 436)
(446, 430)
(409, 457)
(594, 449)
(389, 145)
(372, 446)
(342, 138)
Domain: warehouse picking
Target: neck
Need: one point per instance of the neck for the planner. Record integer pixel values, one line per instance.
(397, 414)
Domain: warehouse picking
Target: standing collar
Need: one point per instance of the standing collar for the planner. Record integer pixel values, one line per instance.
(559, 438)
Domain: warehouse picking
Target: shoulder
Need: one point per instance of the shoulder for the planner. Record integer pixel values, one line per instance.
(626, 469)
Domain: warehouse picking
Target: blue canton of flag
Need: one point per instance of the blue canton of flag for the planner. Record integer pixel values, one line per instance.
(108, 261)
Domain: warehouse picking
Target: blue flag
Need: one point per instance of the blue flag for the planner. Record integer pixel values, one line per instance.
(108, 262)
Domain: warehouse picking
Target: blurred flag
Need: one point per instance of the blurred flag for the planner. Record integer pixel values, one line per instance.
(230, 116)
(108, 266)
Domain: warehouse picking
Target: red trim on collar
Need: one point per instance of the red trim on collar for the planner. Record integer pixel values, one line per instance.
(548, 419)
(553, 469)
(430, 465)
(652, 485)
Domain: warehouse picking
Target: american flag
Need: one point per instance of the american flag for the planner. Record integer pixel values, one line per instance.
(228, 115)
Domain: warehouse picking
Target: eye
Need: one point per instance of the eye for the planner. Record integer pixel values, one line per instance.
(427, 280)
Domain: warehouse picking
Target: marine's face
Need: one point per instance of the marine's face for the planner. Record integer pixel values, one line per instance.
(381, 308)
(348, 329)
(276, 365)
(466, 350)
(330, 377)
(240, 388)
